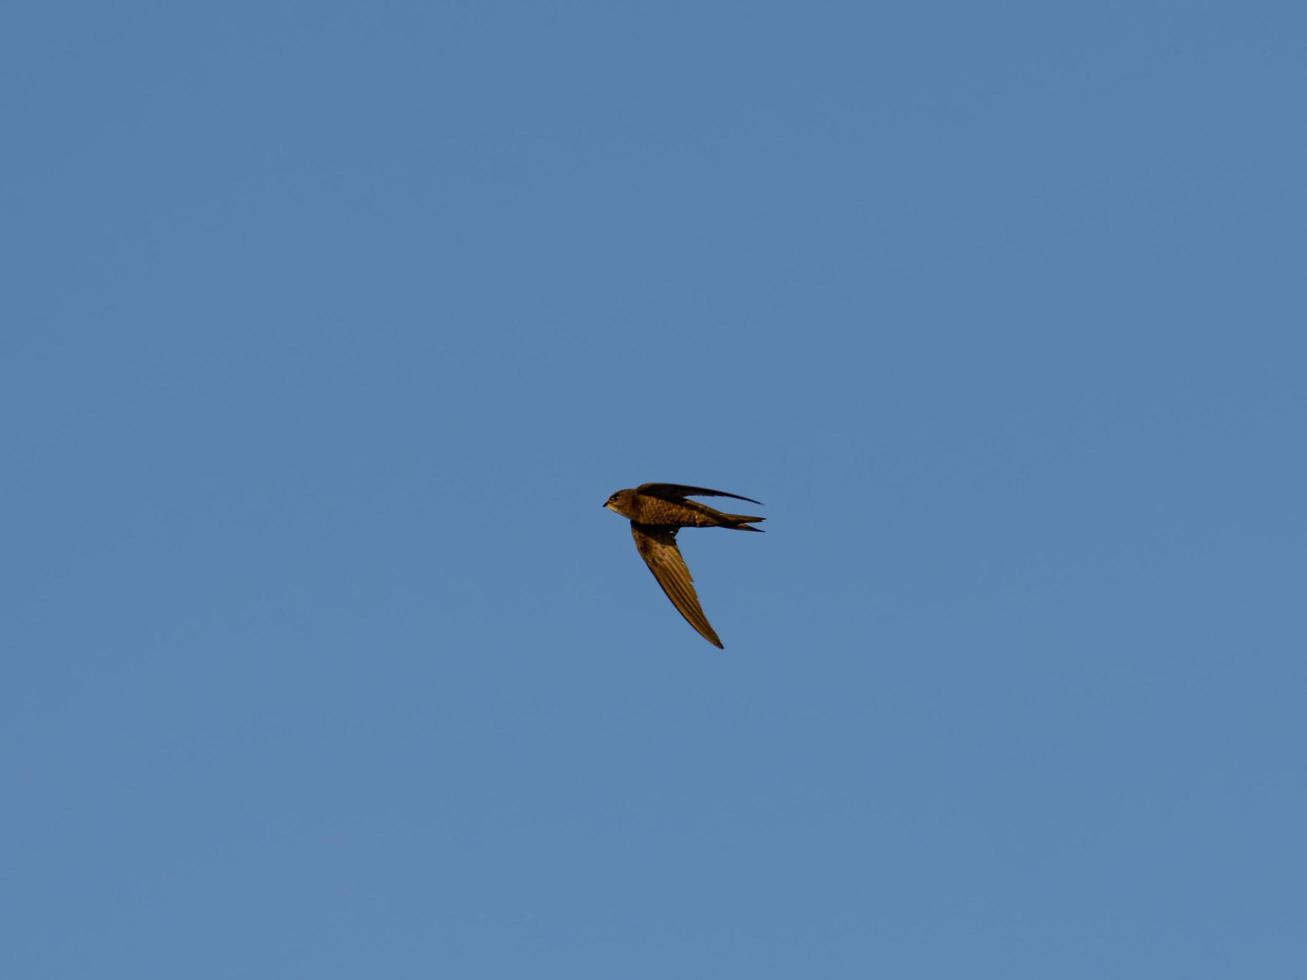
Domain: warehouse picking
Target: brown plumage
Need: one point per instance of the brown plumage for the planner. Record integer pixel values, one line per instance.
(656, 512)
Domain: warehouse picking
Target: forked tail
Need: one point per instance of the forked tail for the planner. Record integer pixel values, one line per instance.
(741, 522)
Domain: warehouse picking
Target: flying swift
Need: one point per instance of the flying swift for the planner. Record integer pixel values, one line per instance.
(657, 511)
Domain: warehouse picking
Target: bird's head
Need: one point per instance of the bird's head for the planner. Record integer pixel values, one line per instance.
(620, 502)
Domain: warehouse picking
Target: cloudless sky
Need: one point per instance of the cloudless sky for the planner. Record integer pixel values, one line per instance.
(328, 328)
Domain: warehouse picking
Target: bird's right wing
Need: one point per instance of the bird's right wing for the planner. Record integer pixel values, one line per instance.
(657, 546)
(675, 491)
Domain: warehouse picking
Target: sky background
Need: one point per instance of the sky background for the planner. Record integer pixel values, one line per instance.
(328, 328)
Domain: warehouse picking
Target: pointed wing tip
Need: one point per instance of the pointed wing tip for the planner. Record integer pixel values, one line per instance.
(711, 636)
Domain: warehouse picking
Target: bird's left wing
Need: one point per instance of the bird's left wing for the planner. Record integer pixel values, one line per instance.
(657, 546)
(674, 491)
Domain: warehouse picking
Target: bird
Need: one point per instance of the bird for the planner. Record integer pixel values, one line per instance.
(656, 512)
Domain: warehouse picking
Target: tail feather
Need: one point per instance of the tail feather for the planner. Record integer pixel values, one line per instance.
(741, 522)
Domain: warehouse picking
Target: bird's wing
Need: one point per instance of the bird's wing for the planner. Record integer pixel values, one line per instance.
(674, 491)
(657, 546)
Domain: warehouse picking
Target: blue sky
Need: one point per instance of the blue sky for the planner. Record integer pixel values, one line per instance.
(330, 327)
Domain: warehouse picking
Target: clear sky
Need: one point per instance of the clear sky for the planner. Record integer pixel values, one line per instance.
(328, 328)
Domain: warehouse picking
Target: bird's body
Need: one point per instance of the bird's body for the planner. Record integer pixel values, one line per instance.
(656, 512)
